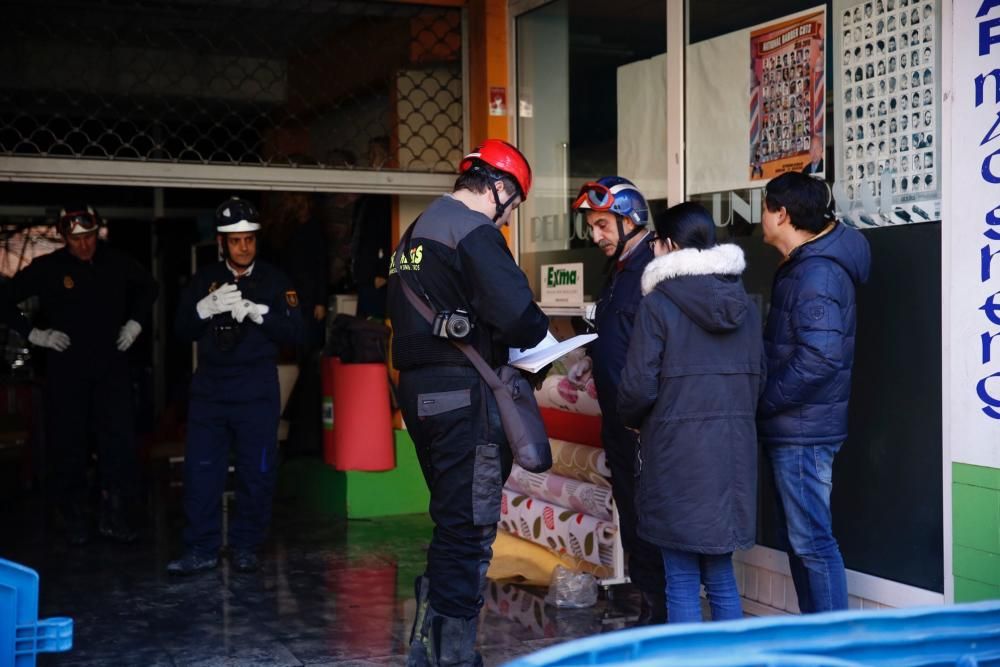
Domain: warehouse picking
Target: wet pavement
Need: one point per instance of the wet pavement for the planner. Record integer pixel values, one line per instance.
(330, 592)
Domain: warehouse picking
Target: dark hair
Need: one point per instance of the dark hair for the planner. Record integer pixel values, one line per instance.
(688, 225)
(807, 200)
(479, 176)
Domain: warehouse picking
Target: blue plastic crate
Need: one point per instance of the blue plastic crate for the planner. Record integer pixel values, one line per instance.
(22, 635)
(963, 635)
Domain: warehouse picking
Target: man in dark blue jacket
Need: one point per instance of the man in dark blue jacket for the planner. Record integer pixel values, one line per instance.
(617, 215)
(809, 343)
(94, 300)
(239, 311)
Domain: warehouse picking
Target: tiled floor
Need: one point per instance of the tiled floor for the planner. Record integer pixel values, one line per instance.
(331, 592)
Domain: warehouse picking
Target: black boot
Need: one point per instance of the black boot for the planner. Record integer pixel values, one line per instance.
(438, 640)
(454, 640)
(114, 523)
(652, 609)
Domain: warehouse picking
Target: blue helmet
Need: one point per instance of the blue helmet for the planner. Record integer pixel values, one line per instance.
(616, 194)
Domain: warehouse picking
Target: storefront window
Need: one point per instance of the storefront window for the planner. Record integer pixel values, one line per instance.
(761, 89)
(575, 65)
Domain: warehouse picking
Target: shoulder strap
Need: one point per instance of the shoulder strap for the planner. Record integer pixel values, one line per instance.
(477, 360)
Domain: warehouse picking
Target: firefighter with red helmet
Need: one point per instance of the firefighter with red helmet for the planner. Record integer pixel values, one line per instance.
(93, 300)
(456, 259)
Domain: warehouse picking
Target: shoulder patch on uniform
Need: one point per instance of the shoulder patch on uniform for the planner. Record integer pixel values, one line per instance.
(68, 282)
(292, 297)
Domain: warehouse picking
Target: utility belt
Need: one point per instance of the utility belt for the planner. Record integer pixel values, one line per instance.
(422, 349)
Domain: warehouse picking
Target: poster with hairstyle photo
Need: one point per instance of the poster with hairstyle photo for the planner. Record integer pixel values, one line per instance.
(888, 141)
(799, 45)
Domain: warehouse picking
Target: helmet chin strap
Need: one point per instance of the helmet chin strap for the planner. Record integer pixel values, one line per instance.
(501, 207)
(624, 238)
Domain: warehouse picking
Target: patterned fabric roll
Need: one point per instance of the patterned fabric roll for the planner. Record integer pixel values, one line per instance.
(580, 462)
(573, 494)
(561, 393)
(560, 529)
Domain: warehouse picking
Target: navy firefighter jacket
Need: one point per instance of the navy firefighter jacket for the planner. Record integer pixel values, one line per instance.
(224, 343)
(88, 301)
(615, 319)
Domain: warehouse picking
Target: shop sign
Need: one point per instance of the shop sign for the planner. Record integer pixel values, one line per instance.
(562, 284)
(974, 317)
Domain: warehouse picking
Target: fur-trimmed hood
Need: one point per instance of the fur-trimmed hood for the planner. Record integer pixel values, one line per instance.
(705, 285)
(725, 259)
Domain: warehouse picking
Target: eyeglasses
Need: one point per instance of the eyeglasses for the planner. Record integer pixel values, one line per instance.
(597, 197)
(652, 240)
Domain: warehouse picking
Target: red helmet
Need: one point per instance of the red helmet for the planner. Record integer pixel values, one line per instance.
(503, 157)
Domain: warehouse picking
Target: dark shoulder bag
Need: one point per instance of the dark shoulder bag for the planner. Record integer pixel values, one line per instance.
(522, 422)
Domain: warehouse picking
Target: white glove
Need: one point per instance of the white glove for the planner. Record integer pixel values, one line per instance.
(220, 301)
(127, 334)
(255, 311)
(50, 338)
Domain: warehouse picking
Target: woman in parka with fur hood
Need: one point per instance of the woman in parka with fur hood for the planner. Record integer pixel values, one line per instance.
(691, 383)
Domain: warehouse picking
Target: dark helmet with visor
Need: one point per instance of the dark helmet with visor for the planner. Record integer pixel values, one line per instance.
(236, 215)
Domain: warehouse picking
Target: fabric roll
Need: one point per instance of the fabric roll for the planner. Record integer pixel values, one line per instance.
(558, 528)
(532, 564)
(580, 462)
(582, 429)
(585, 497)
(561, 393)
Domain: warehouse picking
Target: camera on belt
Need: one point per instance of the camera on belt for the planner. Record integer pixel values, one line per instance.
(452, 324)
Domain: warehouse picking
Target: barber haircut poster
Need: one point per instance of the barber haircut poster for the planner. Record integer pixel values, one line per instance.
(788, 97)
(886, 111)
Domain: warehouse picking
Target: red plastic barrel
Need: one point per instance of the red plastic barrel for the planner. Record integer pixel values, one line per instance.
(362, 439)
(328, 366)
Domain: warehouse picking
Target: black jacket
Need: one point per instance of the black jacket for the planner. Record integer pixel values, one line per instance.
(88, 301)
(691, 383)
(461, 260)
(615, 320)
(255, 344)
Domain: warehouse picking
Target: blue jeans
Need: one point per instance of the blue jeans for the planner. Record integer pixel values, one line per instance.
(803, 477)
(686, 571)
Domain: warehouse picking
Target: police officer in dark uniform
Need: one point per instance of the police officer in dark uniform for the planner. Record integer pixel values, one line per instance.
(617, 215)
(456, 259)
(92, 298)
(239, 311)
